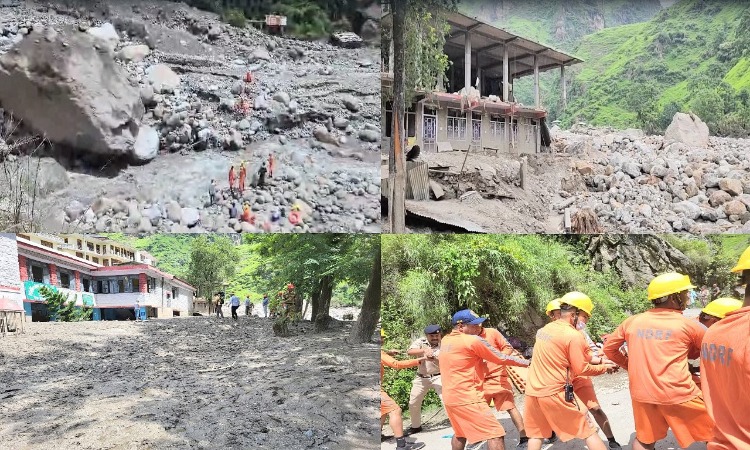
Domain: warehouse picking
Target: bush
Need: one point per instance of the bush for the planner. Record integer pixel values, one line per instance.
(235, 17)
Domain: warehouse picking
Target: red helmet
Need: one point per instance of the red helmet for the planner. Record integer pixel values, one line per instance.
(290, 286)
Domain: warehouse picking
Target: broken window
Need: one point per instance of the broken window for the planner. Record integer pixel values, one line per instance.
(456, 125)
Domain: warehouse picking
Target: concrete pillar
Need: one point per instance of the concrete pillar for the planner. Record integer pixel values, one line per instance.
(53, 274)
(537, 101)
(142, 282)
(467, 60)
(564, 88)
(479, 76)
(506, 73)
(23, 268)
(452, 89)
(78, 280)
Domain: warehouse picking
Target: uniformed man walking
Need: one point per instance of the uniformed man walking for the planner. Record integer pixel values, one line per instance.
(725, 366)
(428, 374)
(660, 342)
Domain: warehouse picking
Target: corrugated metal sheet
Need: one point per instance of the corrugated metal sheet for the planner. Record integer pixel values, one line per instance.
(432, 210)
(417, 181)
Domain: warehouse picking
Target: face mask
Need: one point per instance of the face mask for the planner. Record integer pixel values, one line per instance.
(580, 326)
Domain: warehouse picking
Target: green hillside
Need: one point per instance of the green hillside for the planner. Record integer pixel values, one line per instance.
(642, 63)
(687, 58)
(560, 23)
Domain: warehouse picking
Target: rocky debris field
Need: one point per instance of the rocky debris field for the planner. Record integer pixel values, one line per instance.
(194, 382)
(145, 103)
(637, 183)
(685, 181)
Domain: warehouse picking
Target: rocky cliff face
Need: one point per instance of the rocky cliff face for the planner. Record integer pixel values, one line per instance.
(637, 259)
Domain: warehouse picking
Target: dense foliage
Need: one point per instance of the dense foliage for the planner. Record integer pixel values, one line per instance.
(306, 18)
(510, 279)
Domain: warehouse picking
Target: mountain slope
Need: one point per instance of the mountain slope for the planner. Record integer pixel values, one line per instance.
(560, 23)
(676, 61)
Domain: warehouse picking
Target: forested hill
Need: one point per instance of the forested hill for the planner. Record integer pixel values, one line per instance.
(642, 64)
(561, 23)
(306, 18)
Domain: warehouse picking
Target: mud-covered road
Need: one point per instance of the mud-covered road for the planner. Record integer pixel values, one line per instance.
(195, 382)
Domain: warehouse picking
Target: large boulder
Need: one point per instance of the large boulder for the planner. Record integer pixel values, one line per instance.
(162, 78)
(107, 34)
(688, 129)
(72, 92)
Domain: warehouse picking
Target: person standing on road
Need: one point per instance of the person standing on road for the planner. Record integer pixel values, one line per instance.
(704, 295)
(212, 192)
(137, 310)
(248, 306)
(560, 355)
(388, 407)
(496, 385)
(583, 386)
(428, 374)
(265, 302)
(660, 342)
(219, 304)
(462, 353)
(715, 291)
(234, 301)
(725, 365)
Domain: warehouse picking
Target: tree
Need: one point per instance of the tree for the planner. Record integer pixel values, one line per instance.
(212, 262)
(424, 56)
(61, 308)
(315, 263)
(370, 314)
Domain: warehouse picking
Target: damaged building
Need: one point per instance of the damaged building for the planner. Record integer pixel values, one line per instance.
(485, 117)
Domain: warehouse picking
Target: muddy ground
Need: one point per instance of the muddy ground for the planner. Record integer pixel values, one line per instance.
(195, 382)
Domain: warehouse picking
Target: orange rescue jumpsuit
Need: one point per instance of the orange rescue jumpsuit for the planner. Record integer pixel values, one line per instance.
(387, 405)
(461, 361)
(660, 342)
(243, 176)
(497, 385)
(231, 178)
(725, 369)
(560, 354)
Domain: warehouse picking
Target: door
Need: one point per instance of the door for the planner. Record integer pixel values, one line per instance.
(429, 133)
(476, 131)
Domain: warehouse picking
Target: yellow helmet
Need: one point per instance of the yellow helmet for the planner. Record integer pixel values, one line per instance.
(743, 263)
(552, 305)
(382, 333)
(668, 283)
(579, 300)
(721, 307)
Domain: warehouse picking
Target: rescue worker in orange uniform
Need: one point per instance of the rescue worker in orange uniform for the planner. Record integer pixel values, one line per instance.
(717, 310)
(388, 407)
(247, 215)
(560, 355)
(725, 368)
(712, 313)
(660, 342)
(583, 386)
(231, 179)
(461, 361)
(243, 176)
(496, 385)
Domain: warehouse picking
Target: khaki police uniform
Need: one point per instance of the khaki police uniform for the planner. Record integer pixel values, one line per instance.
(428, 377)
